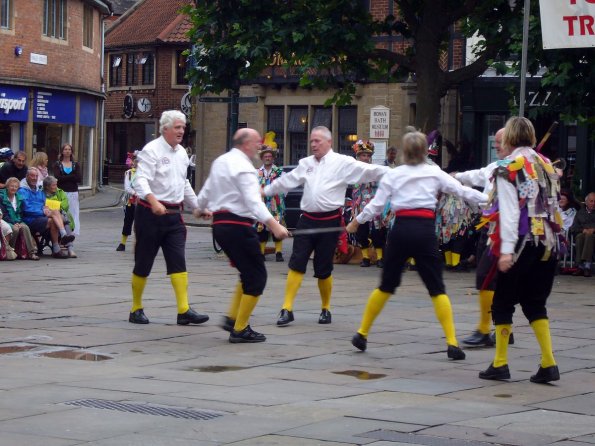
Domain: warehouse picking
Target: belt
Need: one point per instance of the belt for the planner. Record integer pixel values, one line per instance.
(419, 213)
(171, 208)
(330, 215)
(229, 218)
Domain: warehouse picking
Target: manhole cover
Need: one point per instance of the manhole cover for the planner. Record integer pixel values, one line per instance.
(360, 374)
(76, 354)
(147, 409)
(216, 368)
(15, 348)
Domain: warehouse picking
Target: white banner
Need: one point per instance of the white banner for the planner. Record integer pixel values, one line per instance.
(567, 23)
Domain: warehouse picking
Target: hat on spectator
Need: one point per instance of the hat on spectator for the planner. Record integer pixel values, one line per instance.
(6, 153)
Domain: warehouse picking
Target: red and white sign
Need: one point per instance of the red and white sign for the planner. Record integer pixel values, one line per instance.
(567, 23)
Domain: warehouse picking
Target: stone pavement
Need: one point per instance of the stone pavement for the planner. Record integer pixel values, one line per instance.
(73, 371)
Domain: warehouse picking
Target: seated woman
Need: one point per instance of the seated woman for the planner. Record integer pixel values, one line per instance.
(568, 206)
(39, 217)
(11, 206)
(60, 199)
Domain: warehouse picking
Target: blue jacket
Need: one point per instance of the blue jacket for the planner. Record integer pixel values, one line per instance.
(33, 203)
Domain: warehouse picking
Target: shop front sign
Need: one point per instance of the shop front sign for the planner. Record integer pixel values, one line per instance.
(13, 103)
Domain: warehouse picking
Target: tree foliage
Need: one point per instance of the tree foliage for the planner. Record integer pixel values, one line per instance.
(333, 44)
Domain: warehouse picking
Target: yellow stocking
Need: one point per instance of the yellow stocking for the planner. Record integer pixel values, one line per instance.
(443, 312)
(180, 283)
(278, 246)
(123, 240)
(294, 281)
(234, 305)
(541, 328)
(365, 253)
(138, 286)
(485, 307)
(325, 286)
(502, 335)
(247, 305)
(456, 258)
(375, 304)
(263, 246)
(448, 257)
(379, 253)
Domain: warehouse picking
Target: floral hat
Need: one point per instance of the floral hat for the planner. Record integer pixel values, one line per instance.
(267, 149)
(363, 147)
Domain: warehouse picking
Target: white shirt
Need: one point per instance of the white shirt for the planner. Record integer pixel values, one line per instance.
(325, 181)
(161, 170)
(478, 177)
(233, 186)
(416, 187)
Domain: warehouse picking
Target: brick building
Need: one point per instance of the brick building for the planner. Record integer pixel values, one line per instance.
(145, 75)
(51, 78)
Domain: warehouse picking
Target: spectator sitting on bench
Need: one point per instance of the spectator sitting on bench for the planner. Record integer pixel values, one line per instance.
(39, 217)
(56, 197)
(583, 229)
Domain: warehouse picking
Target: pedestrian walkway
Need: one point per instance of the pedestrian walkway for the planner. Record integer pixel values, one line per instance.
(73, 371)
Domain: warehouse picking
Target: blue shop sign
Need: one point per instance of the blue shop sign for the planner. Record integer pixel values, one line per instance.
(88, 111)
(13, 103)
(54, 107)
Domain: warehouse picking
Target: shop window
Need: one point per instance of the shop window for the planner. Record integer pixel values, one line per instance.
(347, 129)
(88, 26)
(84, 154)
(276, 123)
(6, 14)
(54, 19)
(115, 73)
(181, 68)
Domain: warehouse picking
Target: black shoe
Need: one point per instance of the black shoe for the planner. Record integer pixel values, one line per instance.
(455, 353)
(285, 317)
(191, 317)
(495, 373)
(138, 317)
(59, 255)
(478, 338)
(325, 317)
(65, 240)
(279, 257)
(493, 338)
(247, 335)
(365, 263)
(380, 264)
(359, 342)
(228, 323)
(545, 375)
(121, 247)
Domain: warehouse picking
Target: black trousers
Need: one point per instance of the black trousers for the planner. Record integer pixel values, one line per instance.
(129, 212)
(413, 237)
(528, 283)
(167, 232)
(263, 236)
(366, 231)
(486, 264)
(240, 243)
(323, 245)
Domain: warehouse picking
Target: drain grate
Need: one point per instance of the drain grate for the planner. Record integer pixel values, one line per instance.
(147, 409)
(419, 439)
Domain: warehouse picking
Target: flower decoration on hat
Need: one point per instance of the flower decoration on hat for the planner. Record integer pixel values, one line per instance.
(434, 142)
(267, 149)
(363, 147)
(130, 157)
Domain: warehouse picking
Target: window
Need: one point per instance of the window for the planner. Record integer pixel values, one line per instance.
(298, 133)
(88, 26)
(140, 69)
(115, 70)
(54, 19)
(6, 14)
(181, 67)
(131, 75)
(148, 68)
(276, 123)
(347, 127)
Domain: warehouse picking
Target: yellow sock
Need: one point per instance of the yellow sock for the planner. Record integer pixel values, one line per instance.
(374, 306)
(485, 308)
(365, 253)
(448, 257)
(180, 283)
(123, 240)
(541, 328)
(456, 258)
(325, 286)
(234, 305)
(502, 335)
(411, 261)
(278, 246)
(379, 253)
(294, 281)
(138, 286)
(443, 312)
(247, 305)
(263, 246)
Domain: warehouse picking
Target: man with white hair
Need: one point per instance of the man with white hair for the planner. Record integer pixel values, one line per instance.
(163, 189)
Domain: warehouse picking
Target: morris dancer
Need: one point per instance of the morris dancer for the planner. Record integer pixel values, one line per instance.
(412, 189)
(325, 176)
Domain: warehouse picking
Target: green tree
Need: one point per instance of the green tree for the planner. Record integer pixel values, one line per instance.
(332, 44)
